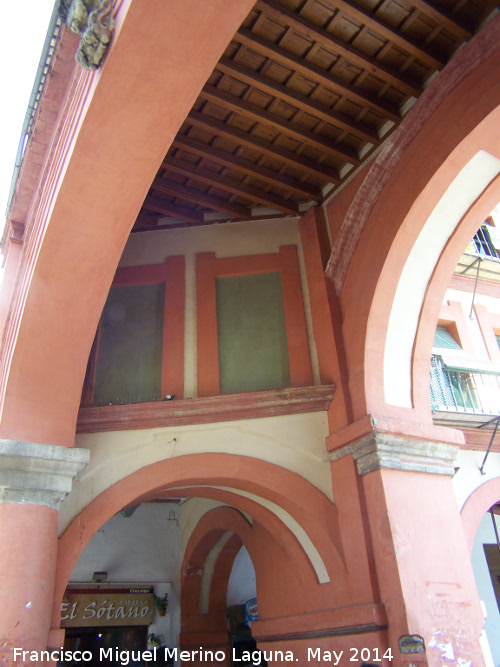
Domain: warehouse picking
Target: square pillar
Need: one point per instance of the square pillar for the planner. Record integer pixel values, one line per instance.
(34, 479)
(422, 563)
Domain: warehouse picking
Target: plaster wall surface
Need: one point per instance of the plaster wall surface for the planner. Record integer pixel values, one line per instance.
(486, 535)
(143, 548)
(236, 239)
(229, 240)
(294, 442)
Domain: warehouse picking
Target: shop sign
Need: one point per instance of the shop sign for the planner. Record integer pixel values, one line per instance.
(251, 613)
(85, 608)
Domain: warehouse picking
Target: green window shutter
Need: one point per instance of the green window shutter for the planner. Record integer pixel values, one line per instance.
(253, 351)
(129, 359)
(443, 338)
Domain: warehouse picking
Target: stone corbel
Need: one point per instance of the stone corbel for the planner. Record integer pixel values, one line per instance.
(92, 19)
(38, 474)
(379, 449)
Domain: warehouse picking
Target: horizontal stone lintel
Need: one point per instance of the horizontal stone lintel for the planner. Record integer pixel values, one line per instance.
(210, 409)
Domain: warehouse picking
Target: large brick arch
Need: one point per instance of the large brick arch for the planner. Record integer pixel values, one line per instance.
(211, 527)
(108, 145)
(408, 180)
(273, 496)
(476, 506)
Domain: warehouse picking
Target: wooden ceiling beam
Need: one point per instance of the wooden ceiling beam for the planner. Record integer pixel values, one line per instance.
(315, 73)
(328, 40)
(260, 115)
(442, 17)
(390, 33)
(267, 148)
(147, 222)
(230, 185)
(170, 210)
(193, 195)
(241, 164)
(304, 103)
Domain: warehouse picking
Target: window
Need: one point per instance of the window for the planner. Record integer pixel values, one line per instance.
(443, 338)
(482, 243)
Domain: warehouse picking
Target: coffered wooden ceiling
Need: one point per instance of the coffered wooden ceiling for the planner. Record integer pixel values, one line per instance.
(304, 93)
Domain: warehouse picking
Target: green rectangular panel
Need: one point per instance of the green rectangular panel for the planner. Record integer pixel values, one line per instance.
(253, 351)
(130, 346)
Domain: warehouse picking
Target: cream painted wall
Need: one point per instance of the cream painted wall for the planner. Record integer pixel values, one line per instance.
(228, 240)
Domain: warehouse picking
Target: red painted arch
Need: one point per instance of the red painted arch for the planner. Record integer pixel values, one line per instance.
(111, 139)
(438, 284)
(415, 175)
(221, 575)
(476, 506)
(208, 531)
(198, 474)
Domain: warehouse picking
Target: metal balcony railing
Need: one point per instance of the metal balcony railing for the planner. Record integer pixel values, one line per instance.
(462, 391)
(482, 244)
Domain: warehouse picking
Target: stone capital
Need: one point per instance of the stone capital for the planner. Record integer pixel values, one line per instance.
(378, 450)
(38, 474)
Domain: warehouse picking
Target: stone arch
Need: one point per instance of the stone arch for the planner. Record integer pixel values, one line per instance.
(416, 175)
(476, 506)
(223, 530)
(255, 487)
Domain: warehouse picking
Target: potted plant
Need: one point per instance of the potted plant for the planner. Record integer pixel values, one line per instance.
(161, 602)
(155, 641)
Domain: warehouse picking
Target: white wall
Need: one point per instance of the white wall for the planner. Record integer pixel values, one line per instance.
(486, 535)
(143, 548)
(241, 586)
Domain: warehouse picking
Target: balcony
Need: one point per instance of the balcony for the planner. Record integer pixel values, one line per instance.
(480, 257)
(464, 397)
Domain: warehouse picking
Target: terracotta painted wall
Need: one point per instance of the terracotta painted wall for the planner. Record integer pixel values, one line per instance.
(234, 240)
